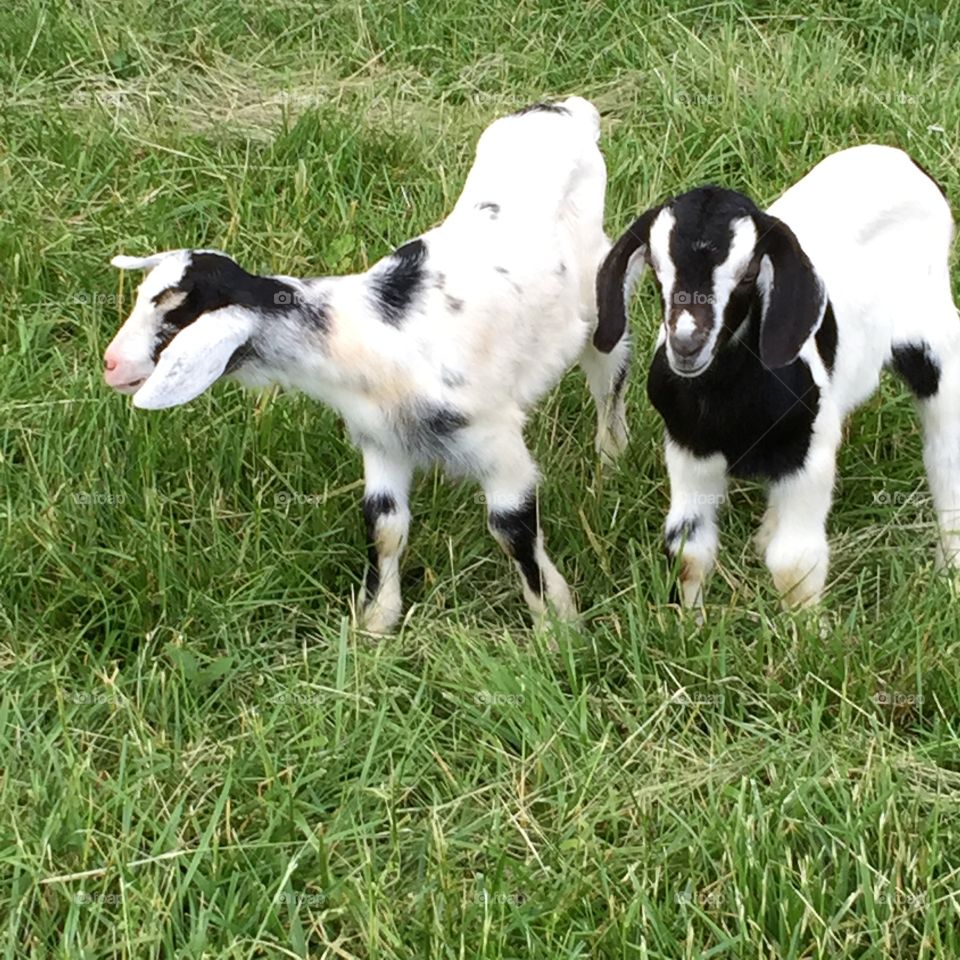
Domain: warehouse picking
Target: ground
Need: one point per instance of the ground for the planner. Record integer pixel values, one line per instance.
(200, 755)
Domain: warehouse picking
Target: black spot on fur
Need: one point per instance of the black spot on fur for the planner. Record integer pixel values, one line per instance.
(928, 175)
(918, 367)
(543, 108)
(444, 421)
(502, 270)
(399, 280)
(375, 506)
(494, 208)
(429, 431)
(454, 304)
(452, 378)
(518, 530)
(827, 338)
(212, 281)
(683, 531)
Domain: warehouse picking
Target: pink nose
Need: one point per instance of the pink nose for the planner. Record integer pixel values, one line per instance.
(109, 364)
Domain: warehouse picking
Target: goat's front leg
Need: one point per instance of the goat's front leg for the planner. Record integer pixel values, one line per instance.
(606, 375)
(387, 515)
(698, 486)
(510, 490)
(794, 531)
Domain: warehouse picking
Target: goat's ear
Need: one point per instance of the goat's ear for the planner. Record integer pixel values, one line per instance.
(793, 295)
(137, 263)
(195, 358)
(616, 277)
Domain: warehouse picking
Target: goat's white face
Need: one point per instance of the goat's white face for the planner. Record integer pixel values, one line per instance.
(182, 331)
(706, 267)
(133, 352)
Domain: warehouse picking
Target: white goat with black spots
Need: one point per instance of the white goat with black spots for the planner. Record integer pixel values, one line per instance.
(435, 354)
(776, 325)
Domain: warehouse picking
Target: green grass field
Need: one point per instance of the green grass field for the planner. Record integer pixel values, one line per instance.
(201, 757)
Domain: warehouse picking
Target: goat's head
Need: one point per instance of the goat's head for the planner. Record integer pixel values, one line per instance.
(195, 311)
(716, 257)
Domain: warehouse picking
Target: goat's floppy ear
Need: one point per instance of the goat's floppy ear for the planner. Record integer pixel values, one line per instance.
(195, 358)
(613, 281)
(137, 263)
(793, 295)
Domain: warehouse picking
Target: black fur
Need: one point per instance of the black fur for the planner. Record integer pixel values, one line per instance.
(429, 431)
(611, 308)
(685, 530)
(518, 528)
(919, 368)
(212, 281)
(542, 108)
(761, 420)
(375, 506)
(399, 281)
(827, 339)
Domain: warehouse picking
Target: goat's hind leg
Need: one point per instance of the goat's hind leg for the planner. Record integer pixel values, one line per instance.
(606, 375)
(510, 489)
(933, 374)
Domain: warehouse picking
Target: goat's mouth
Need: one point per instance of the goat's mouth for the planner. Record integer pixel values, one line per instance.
(129, 388)
(690, 371)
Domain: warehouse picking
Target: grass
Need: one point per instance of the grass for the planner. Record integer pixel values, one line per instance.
(200, 757)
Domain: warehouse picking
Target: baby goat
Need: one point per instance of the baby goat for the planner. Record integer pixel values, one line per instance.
(775, 326)
(435, 354)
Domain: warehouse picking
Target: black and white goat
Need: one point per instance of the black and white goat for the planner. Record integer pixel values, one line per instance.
(775, 326)
(435, 354)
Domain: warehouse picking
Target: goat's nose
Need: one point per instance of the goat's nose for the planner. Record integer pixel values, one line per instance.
(109, 364)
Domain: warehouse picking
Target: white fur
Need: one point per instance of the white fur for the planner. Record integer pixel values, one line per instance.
(509, 306)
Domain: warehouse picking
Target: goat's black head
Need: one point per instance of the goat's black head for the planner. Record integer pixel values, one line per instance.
(716, 258)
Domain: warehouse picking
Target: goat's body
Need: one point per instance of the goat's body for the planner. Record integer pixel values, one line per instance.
(868, 238)
(438, 351)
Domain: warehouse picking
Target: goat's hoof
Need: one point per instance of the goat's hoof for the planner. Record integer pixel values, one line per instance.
(379, 619)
